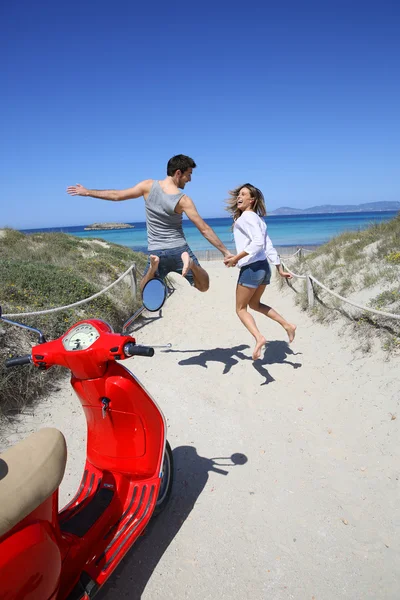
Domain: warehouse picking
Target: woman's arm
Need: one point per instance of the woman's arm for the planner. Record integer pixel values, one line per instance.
(251, 223)
(272, 255)
(273, 258)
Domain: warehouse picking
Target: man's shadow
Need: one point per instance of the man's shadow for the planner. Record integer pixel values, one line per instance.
(190, 477)
(276, 352)
(227, 356)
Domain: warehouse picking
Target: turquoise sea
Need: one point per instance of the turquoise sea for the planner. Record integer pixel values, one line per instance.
(287, 230)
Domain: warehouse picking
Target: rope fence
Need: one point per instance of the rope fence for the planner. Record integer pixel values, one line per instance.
(310, 279)
(131, 271)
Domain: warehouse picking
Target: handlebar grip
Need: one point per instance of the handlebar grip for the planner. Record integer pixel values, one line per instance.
(18, 360)
(131, 349)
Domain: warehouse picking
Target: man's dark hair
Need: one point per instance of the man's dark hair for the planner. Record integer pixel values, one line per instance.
(180, 162)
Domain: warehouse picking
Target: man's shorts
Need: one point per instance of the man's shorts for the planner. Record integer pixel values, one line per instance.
(255, 274)
(170, 260)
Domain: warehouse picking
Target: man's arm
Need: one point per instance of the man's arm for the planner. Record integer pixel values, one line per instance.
(114, 195)
(188, 207)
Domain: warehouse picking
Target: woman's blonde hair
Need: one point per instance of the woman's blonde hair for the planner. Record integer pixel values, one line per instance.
(255, 193)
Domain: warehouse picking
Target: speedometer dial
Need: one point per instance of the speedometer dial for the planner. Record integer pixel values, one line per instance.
(80, 337)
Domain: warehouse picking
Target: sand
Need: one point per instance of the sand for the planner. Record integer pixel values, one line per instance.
(314, 512)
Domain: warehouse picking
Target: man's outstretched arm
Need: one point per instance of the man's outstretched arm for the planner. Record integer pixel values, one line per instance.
(114, 195)
(190, 211)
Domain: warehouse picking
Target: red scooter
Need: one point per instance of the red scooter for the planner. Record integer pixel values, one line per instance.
(46, 554)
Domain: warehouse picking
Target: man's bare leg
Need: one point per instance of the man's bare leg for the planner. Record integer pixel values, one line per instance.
(154, 261)
(200, 276)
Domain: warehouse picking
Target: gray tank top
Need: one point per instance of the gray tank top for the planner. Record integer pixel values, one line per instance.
(164, 225)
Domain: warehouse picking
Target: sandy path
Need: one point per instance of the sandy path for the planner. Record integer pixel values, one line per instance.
(313, 512)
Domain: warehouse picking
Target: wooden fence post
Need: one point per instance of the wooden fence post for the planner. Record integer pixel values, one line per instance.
(310, 291)
(133, 280)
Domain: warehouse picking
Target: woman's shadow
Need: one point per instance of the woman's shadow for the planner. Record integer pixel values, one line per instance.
(190, 477)
(276, 352)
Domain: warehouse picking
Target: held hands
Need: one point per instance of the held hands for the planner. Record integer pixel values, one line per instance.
(230, 260)
(77, 190)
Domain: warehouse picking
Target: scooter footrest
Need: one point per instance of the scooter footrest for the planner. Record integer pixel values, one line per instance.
(82, 521)
(133, 519)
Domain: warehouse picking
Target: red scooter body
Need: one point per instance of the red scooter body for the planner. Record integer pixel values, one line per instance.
(127, 475)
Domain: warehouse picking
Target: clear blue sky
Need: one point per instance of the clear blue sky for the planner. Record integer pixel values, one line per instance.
(302, 99)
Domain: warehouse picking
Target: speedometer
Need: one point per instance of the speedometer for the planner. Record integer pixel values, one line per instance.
(80, 337)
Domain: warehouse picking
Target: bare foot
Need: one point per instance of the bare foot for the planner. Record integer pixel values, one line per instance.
(154, 262)
(257, 348)
(291, 331)
(187, 263)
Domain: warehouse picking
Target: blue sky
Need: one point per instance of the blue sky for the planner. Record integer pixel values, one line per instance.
(302, 99)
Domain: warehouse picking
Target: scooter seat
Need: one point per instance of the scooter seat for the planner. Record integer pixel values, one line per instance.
(30, 472)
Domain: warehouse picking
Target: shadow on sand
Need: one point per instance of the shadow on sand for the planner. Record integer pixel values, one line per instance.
(190, 477)
(276, 352)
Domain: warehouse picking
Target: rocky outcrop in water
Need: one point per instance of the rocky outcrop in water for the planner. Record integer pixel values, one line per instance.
(97, 226)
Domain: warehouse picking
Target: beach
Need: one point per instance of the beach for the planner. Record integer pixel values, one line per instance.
(311, 509)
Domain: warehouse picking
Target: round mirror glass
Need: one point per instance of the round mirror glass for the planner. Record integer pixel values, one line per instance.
(154, 294)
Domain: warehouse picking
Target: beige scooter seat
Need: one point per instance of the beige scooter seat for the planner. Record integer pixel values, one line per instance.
(30, 471)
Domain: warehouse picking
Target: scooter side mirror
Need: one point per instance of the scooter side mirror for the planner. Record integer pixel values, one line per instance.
(154, 295)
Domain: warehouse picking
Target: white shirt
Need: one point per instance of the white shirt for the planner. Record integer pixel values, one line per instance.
(250, 233)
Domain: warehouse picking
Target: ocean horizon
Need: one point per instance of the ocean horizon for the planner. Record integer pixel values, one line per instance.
(284, 230)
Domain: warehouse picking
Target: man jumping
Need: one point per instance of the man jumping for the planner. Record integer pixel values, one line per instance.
(165, 204)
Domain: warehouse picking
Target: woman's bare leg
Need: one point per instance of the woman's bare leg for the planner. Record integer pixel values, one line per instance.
(266, 310)
(200, 276)
(243, 298)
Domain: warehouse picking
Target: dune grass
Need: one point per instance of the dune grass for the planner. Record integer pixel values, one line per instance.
(363, 266)
(46, 270)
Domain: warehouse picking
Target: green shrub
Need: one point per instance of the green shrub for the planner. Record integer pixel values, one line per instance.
(393, 257)
(48, 270)
(386, 298)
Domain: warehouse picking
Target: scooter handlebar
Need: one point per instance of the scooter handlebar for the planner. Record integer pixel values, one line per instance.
(18, 360)
(131, 349)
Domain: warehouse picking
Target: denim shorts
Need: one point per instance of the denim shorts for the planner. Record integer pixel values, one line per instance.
(255, 274)
(170, 260)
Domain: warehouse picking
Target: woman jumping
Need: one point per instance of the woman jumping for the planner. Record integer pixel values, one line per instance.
(254, 253)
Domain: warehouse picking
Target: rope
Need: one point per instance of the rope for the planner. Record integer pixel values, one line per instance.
(58, 309)
(294, 274)
(377, 312)
(372, 310)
